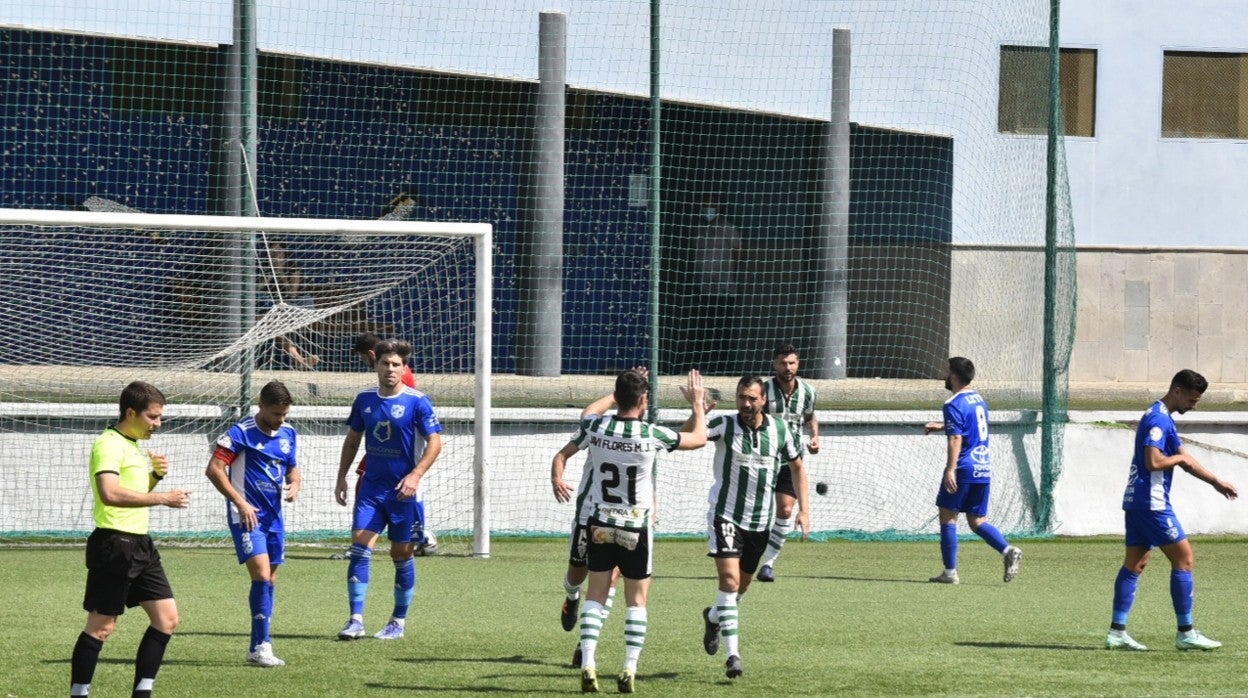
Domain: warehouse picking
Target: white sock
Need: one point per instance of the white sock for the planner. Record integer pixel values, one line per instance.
(573, 590)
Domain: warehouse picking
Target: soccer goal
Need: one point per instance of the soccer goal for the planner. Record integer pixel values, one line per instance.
(209, 309)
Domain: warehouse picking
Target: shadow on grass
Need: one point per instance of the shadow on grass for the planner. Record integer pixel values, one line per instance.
(514, 659)
(1030, 646)
(570, 680)
(279, 636)
(129, 661)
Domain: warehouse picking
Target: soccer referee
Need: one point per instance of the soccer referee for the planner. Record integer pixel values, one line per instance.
(123, 566)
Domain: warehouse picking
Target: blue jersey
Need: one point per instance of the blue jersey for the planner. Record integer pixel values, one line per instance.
(257, 466)
(966, 415)
(395, 431)
(1150, 489)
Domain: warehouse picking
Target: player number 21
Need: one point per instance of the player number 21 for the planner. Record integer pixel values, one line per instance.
(612, 481)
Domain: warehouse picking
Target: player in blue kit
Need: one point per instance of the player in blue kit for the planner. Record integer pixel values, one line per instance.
(968, 473)
(1150, 522)
(251, 465)
(402, 438)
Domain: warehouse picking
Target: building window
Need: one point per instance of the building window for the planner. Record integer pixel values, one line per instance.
(1024, 96)
(1204, 95)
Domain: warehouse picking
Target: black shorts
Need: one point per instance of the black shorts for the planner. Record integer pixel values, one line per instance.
(606, 556)
(784, 482)
(123, 570)
(730, 540)
(578, 548)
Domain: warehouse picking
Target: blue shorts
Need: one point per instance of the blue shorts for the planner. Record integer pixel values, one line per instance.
(971, 498)
(379, 508)
(1152, 529)
(260, 540)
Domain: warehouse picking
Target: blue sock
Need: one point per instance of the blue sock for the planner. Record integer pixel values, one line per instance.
(357, 576)
(949, 545)
(261, 602)
(1181, 592)
(1124, 594)
(992, 537)
(404, 585)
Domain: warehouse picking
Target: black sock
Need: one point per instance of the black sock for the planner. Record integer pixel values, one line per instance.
(1184, 628)
(1117, 626)
(147, 661)
(86, 655)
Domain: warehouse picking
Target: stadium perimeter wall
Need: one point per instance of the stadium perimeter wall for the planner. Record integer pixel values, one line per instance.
(1097, 458)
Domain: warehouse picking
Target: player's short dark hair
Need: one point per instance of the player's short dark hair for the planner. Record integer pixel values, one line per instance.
(962, 367)
(275, 393)
(366, 342)
(392, 346)
(1188, 379)
(784, 349)
(630, 386)
(747, 381)
(138, 396)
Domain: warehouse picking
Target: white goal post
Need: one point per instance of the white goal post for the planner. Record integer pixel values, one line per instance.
(30, 222)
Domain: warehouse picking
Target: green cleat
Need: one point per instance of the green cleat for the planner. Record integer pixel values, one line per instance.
(1193, 640)
(589, 681)
(624, 684)
(1120, 640)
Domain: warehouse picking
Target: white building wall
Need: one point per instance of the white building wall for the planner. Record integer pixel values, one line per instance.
(1129, 186)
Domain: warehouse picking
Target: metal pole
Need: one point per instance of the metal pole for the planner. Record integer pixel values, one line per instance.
(1049, 421)
(656, 228)
(539, 336)
(831, 262)
(245, 45)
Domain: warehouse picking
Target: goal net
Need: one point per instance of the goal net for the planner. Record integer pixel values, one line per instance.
(864, 179)
(208, 309)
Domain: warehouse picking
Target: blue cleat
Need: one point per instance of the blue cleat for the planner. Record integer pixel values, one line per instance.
(353, 630)
(392, 631)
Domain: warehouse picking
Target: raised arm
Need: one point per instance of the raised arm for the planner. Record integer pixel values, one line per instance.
(693, 431)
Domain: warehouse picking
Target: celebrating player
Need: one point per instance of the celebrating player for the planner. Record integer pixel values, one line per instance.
(1150, 522)
(622, 451)
(968, 473)
(251, 464)
(402, 438)
(578, 548)
(793, 400)
(123, 565)
(750, 448)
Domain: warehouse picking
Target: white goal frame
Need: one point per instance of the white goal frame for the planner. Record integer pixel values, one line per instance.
(482, 235)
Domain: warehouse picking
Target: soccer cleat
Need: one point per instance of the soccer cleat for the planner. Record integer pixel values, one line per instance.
(624, 684)
(576, 657)
(1013, 556)
(766, 574)
(263, 656)
(1193, 640)
(1120, 640)
(732, 667)
(353, 630)
(710, 633)
(589, 681)
(392, 631)
(944, 578)
(568, 615)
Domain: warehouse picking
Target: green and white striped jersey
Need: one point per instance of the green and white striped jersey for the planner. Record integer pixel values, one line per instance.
(619, 484)
(747, 462)
(793, 409)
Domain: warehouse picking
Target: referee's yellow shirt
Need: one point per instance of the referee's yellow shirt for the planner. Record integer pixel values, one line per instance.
(113, 452)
